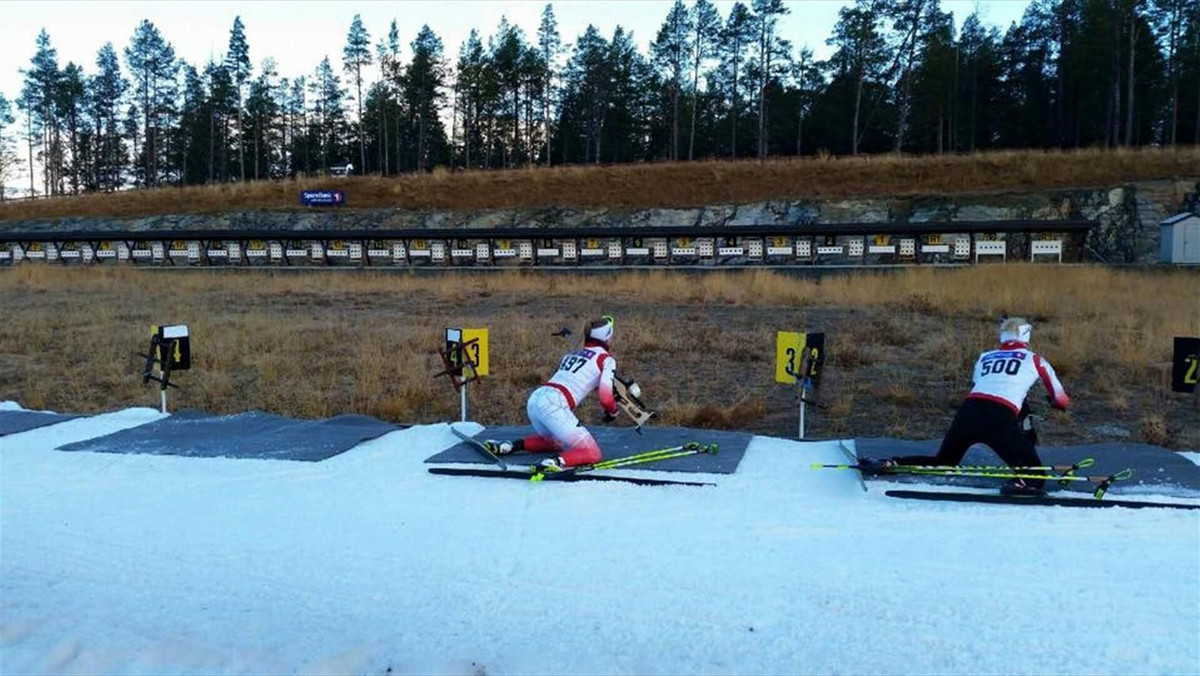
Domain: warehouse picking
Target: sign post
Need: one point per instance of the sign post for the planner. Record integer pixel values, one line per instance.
(170, 351)
(799, 358)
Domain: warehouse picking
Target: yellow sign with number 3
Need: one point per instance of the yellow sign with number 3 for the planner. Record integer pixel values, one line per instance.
(788, 348)
(476, 352)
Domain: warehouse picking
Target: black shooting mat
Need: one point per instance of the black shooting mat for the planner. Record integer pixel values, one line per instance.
(244, 435)
(12, 422)
(620, 442)
(1152, 465)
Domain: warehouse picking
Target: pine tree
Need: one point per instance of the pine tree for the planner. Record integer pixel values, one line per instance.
(767, 12)
(262, 110)
(807, 77)
(194, 127)
(222, 105)
(237, 61)
(627, 100)
(106, 90)
(329, 115)
(1170, 22)
(300, 153)
(394, 74)
(861, 54)
(37, 101)
(152, 64)
(355, 55)
(931, 95)
(468, 86)
(586, 89)
(670, 50)
(69, 101)
(424, 95)
(979, 83)
(909, 18)
(549, 45)
(505, 57)
(706, 30)
(736, 37)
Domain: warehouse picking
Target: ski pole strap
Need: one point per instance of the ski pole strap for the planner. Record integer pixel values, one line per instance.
(1103, 486)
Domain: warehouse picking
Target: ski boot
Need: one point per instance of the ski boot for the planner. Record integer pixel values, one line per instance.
(550, 465)
(502, 447)
(1018, 488)
(873, 467)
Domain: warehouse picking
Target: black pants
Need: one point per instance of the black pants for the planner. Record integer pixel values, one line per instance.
(980, 421)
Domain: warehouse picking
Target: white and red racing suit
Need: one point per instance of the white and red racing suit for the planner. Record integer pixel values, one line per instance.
(1005, 376)
(551, 406)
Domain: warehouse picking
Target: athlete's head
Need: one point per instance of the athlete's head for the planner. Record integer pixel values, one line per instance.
(1015, 328)
(600, 331)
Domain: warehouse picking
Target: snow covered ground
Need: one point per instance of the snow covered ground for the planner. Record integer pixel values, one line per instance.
(365, 563)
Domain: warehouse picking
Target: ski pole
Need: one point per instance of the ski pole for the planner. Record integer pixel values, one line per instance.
(1063, 478)
(1104, 482)
(691, 448)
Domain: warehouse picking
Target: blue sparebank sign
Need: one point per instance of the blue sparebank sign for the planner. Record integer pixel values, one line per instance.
(322, 198)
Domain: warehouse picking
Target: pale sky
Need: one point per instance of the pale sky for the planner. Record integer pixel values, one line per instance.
(299, 33)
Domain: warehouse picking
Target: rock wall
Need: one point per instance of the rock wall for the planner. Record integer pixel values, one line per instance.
(1127, 216)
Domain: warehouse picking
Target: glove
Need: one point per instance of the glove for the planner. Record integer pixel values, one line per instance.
(609, 416)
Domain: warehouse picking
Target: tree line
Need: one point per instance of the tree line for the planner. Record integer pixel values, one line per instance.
(900, 78)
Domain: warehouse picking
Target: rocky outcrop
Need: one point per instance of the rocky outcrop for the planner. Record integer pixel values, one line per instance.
(1127, 216)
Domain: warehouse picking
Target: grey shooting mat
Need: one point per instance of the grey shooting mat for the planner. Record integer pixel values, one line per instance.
(243, 435)
(620, 442)
(1152, 466)
(12, 422)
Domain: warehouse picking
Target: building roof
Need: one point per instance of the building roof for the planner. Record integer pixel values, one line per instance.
(1178, 218)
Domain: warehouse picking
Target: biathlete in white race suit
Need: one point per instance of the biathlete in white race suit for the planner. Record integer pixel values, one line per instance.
(994, 412)
(551, 406)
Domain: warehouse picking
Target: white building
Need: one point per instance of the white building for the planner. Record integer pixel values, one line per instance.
(1181, 239)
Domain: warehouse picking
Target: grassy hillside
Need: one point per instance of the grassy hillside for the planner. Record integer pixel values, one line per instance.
(654, 185)
(901, 344)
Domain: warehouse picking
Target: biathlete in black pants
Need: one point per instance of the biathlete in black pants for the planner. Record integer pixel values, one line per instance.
(994, 413)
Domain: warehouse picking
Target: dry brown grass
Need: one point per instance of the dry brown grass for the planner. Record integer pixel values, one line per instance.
(318, 344)
(655, 185)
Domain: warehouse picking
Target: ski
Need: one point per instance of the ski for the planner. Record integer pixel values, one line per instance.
(570, 477)
(480, 448)
(991, 498)
(914, 469)
(1064, 478)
